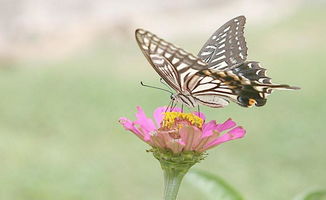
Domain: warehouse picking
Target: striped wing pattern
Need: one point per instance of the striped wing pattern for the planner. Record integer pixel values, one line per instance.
(247, 84)
(253, 71)
(227, 46)
(208, 90)
(167, 71)
(220, 74)
(172, 63)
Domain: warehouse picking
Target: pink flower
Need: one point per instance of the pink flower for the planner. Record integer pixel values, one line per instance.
(181, 132)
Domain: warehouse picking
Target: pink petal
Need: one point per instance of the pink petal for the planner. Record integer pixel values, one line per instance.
(208, 128)
(200, 114)
(128, 125)
(157, 141)
(220, 140)
(202, 144)
(235, 133)
(190, 136)
(146, 124)
(226, 125)
(147, 136)
(175, 109)
(175, 146)
(163, 138)
(159, 115)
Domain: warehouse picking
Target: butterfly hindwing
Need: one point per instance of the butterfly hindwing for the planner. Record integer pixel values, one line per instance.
(207, 90)
(227, 46)
(246, 84)
(253, 71)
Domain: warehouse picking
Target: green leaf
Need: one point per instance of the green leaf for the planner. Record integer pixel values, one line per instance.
(314, 195)
(212, 186)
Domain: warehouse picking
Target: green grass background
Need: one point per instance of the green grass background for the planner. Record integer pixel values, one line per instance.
(60, 137)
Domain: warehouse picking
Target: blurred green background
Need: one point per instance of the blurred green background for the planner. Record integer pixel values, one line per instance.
(59, 131)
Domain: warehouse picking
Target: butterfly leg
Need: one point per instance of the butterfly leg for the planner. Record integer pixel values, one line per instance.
(169, 106)
(174, 104)
(198, 110)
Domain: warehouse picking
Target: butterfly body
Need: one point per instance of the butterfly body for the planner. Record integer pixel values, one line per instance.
(218, 75)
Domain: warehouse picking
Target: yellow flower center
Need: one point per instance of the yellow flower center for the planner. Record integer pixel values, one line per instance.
(171, 118)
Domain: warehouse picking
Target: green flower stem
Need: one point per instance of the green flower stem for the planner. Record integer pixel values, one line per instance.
(172, 180)
(175, 166)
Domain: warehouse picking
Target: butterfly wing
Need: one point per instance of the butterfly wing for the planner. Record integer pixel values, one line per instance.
(226, 47)
(207, 90)
(176, 67)
(211, 83)
(260, 84)
(246, 84)
(173, 64)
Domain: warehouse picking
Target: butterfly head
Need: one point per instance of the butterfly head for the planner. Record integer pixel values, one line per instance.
(173, 97)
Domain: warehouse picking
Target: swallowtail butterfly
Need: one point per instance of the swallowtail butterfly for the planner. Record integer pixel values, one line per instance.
(218, 75)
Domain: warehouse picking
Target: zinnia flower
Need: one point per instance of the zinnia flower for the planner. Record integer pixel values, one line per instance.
(181, 132)
(179, 140)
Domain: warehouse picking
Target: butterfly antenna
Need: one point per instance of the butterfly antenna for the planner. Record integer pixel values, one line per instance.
(164, 83)
(149, 86)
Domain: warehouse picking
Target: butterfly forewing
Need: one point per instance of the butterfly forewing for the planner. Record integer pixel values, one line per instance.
(172, 63)
(166, 70)
(227, 46)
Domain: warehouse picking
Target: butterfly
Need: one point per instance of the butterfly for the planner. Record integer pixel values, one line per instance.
(217, 75)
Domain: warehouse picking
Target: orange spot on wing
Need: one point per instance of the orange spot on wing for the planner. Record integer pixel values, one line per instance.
(251, 102)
